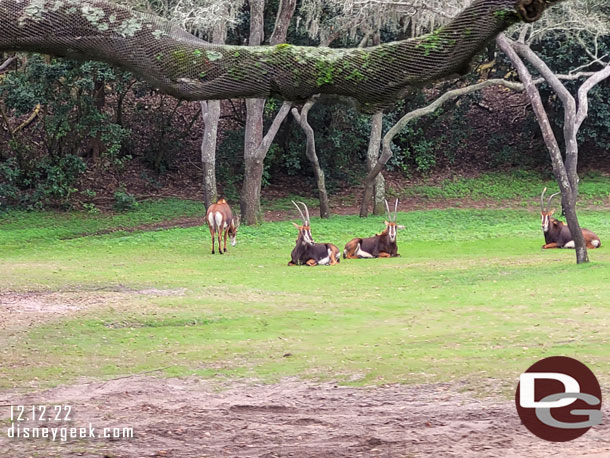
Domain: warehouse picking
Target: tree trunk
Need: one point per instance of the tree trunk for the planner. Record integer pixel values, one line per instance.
(513, 50)
(302, 119)
(371, 160)
(211, 118)
(251, 189)
(253, 162)
(210, 111)
(255, 145)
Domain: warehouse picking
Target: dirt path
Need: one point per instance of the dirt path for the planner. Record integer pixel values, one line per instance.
(190, 418)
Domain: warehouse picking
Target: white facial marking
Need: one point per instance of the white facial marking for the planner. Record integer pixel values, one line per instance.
(392, 233)
(307, 237)
(233, 240)
(545, 223)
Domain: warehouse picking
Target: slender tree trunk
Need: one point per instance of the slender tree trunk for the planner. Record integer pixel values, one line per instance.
(253, 162)
(372, 158)
(211, 117)
(256, 145)
(513, 50)
(210, 111)
(302, 119)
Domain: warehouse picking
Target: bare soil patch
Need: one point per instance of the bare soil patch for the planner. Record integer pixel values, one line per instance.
(192, 418)
(19, 311)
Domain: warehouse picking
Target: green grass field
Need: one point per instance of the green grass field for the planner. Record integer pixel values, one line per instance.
(473, 298)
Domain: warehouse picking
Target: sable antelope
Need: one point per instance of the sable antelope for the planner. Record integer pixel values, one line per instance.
(306, 251)
(557, 233)
(221, 220)
(379, 246)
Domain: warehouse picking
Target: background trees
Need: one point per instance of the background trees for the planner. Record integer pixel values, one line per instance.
(249, 145)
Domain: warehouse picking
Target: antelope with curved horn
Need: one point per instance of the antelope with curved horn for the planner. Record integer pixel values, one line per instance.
(379, 246)
(306, 251)
(221, 221)
(557, 233)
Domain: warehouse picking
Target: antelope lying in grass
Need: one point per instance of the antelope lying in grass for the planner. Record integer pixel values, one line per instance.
(221, 221)
(379, 246)
(557, 233)
(306, 251)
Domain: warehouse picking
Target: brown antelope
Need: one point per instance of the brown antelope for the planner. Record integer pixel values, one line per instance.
(379, 246)
(557, 233)
(307, 252)
(221, 221)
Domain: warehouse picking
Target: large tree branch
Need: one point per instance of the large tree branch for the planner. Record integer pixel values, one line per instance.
(583, 94)
(182, 65)
(429, 109)
(275, 126)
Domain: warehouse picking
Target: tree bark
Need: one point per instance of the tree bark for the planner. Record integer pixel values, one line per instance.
(372, 158)
(565, 173)
(255, 145)
(210, 111)
(302, 119)
(211, 117)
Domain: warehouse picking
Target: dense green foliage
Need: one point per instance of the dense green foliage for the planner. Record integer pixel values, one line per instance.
(100, 121)
(473, 297)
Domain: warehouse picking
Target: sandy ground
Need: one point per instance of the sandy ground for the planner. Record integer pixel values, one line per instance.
(192, 418)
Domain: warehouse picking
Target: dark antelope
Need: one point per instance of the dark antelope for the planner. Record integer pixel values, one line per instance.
(557, 233)
(221, 221)
(379, 246)
(306, 251)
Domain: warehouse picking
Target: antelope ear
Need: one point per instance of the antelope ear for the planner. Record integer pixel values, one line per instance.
(552, 212)
(386, 223)
(400, 226)
(297, 226)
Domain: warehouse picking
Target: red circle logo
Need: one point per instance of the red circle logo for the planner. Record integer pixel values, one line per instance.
(559, 399)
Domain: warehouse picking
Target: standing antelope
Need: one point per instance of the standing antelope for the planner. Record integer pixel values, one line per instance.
(379, 246)
(306, 251)
(557, 233)
(221, 220)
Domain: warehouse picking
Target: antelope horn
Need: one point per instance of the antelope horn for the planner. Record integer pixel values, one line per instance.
(548, 205)
(308, 222)
(395, 210)
(387, 208)
(542, 200)
(301, 212)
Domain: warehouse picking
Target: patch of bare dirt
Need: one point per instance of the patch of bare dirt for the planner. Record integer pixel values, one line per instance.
(190, 418)
(19, 311)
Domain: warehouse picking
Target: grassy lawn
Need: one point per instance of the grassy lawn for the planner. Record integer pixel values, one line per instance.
(473, 297)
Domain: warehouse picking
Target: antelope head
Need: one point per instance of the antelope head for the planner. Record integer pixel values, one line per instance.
(233, 230)
(304, 230)
(546, 212)
(390, 223)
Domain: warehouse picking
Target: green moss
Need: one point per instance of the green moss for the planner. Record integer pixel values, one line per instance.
(282, 47)
(325, 73)
(432, 42)
(506, 15)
